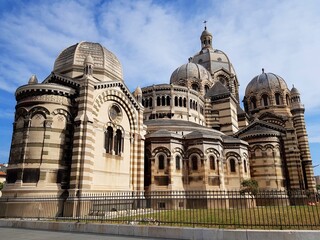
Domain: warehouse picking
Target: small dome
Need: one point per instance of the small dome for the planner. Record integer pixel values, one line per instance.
(294, 91)
(190, 71)
(71, 60)
(137, 92)
(33, 80)
(205, 33)
(267, 82)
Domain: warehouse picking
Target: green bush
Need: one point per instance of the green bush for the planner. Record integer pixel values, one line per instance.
(1, 185)
(249, 186)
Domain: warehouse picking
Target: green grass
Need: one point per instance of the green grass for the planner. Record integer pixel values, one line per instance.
(269, 217)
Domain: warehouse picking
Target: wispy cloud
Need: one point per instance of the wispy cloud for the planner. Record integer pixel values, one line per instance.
(152, 38)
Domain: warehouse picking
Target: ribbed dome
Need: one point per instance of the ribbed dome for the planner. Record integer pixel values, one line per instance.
(213, 60)
(266, 82)
(294, 91)
(190, 71)
(71, 60)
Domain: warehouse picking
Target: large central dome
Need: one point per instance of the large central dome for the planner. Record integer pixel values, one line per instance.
(70, 61)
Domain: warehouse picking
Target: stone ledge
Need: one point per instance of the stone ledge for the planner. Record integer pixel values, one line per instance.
(164, 232)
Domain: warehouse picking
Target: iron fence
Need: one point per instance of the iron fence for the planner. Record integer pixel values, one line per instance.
(222, 209)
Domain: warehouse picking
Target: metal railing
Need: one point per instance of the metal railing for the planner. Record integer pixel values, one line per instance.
(221, 209)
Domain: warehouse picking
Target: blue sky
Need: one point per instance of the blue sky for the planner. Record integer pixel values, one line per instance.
(153, 38)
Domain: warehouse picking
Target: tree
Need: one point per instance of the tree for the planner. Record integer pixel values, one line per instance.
(249, 186)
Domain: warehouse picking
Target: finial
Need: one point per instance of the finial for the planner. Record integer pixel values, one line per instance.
(190, 59)
(33, 79)
(262, 70)
(292, 85)
(205, 24)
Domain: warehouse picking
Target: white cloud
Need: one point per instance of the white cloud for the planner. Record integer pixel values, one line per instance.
(35, 34)
(153, 38)
(281, 36)
(149, 40)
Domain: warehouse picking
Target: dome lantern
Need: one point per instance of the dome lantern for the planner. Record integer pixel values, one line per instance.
(206, 39)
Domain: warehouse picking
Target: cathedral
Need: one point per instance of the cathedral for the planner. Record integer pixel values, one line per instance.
(82, 130)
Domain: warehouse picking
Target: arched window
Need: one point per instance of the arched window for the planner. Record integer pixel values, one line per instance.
(178, 164)
(180, 102)
(288, 99)
(212, 163)
(168, 101)
(150, 102)
(253, 103)
(206, 88)
(176, 101)
(163, 101)
(195, 86)
(184, 102)
(161, 162)
(245, 165)
(143, 102)
(158, 101)
(190, 103)
(232, 165)
(108, 140)
(194, 161)
(278, 98)
(118, 142)
(265, 100)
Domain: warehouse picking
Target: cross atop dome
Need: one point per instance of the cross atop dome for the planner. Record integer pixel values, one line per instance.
(205, 24)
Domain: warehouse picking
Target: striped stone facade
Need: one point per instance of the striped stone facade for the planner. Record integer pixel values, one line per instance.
(82, 131)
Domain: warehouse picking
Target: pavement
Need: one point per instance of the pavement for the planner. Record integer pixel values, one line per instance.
(29, 234)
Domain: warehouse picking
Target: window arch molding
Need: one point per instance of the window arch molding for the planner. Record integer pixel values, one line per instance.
(233, 159)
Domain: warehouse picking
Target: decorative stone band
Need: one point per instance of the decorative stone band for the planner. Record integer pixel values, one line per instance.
(28, 90)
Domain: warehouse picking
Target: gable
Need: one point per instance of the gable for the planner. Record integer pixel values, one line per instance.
(260, 128)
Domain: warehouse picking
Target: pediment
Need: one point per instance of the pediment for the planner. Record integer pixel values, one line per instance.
(260, 128)
(273, 119)
(61, 80)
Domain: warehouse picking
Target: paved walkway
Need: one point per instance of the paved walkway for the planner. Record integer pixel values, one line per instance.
(27, 234)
